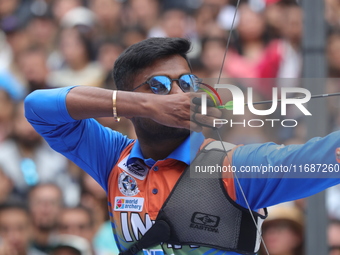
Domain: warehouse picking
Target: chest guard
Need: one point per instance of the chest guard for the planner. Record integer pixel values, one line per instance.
(200, 212)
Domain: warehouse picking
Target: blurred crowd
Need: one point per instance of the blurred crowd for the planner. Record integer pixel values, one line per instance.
(50, 206)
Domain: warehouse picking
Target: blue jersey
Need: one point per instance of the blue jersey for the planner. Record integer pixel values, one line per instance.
(268, 173)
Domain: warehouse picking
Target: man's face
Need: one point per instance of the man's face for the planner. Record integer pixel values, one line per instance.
(173, 67)
(334, 239)
(75, 222)
(15, 229)
(45, 205)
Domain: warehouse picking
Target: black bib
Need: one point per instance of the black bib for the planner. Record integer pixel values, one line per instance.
(200, 212)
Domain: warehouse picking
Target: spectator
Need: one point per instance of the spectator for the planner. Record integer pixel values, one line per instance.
(215, 6)
(28, 160)
(45, 204)
(16, 8)
(43, 31)
(144, 13)
(332, 202)
(212, 56)
(334, 237)
(333, 55)
(70, 245)
(94, 199)
(248, 48)
(226, 15)
(33, 66)
(5, 53)
(78, 221)
(6, 188)
(109, 18)
(274, 15)
(132, 35)
(78, 54)
(204, 16)
(283, 231)
(173, 23)
(17, 38)
(61, 7)
(108, 52)
(332, 13)
(282, 58)
(6, 114)
(15, 230)
(8, 8)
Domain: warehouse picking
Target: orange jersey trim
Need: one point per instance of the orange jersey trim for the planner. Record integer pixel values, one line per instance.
(163, 180)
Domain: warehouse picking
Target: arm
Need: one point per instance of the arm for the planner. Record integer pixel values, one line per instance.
(273, 188)
(87, 143)
(61, 117)
(173, 110)
(90, 102)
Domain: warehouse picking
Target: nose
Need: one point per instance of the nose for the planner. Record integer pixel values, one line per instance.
(175, 88)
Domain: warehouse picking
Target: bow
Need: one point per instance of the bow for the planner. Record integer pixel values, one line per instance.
(220, 138)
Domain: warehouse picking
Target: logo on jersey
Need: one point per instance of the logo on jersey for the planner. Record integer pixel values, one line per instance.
(337, 155)
(205, 222)
(127, 185)
(137, 169)
(129, 204)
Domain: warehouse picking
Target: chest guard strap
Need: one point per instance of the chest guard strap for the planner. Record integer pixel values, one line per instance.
(200, 212)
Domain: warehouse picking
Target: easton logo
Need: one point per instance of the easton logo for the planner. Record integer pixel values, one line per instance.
(205, 222)
(137, 167)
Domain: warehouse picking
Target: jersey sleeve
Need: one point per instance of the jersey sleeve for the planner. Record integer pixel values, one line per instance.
(87, 143)
(301, 170)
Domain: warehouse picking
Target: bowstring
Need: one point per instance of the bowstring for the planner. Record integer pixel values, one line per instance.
(228, 40)
(245, 198)
(219, 135)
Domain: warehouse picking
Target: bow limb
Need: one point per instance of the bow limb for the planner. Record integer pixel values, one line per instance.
(220, 138)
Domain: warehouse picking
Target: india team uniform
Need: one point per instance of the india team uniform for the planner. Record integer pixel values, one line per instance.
(137, 187)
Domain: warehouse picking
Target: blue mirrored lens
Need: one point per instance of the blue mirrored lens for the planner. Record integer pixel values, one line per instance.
(189, 81)
(160, 85)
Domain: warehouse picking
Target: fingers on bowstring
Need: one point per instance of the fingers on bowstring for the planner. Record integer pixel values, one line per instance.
(203, 120)
(210, 111)
(198, 101)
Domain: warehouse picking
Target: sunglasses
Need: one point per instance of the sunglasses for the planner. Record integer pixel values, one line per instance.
(161, 84)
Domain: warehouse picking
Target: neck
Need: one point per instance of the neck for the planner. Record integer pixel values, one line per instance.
(159, 149)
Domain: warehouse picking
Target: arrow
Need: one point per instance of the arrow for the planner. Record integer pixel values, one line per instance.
(229, 104)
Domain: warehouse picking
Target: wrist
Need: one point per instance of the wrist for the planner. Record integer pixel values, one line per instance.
(134, 104)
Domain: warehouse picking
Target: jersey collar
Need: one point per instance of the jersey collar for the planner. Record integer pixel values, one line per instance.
(186, 152)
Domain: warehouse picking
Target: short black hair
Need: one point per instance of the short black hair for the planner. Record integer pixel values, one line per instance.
(143, 54)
